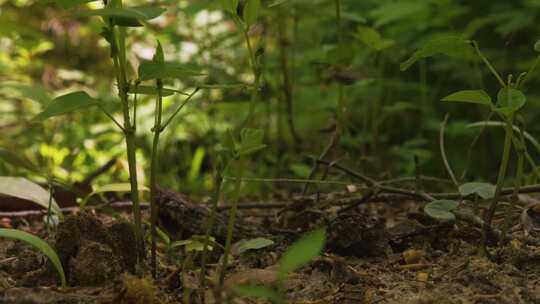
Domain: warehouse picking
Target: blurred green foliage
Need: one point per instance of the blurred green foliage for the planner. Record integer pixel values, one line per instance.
(391, 116)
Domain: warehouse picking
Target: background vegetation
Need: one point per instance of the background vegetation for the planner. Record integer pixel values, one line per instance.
(308, 63)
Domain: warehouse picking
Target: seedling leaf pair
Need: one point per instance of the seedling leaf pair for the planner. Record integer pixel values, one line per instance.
(509, 100)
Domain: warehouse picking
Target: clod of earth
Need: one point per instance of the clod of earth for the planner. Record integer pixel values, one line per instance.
(93, 253)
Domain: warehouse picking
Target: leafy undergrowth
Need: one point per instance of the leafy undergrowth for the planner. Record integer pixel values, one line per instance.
(369, 257)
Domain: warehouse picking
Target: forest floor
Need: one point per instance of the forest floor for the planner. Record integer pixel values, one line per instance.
(375, 253)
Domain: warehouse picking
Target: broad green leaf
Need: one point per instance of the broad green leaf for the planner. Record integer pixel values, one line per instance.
(116, 187)
(258, 292)
(22, 188)
(451, 45)
(65, 104)
(148, 90)
(471, 96)
(509, 101)
(39, 244)
(138, 12)
(251, 12)
(250, 141)
(441, 209)
(154, 70)
(16, 160)
(302, 251)
(230, 6)
(371, 38)
(256, 243)
(483, 190)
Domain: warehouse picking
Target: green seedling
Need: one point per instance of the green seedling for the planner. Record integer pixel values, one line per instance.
(509, 100)
(116, 19)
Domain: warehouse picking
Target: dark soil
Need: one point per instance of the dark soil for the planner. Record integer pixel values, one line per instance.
(370, 257)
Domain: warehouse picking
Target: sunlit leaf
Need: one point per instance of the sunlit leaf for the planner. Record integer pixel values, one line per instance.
(39, 244)
(24, 189)
(483, 190)
(302, 251)
(441, 209)
(470, 96)
(66, 104)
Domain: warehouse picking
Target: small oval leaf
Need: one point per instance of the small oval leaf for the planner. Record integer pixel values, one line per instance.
(256, 243)
(483, 190)
(471, 96)
(441, 209)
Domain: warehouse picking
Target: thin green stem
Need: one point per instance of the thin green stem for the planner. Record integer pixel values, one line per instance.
(231, 222)
(209, 225)
(153, 175)
(168, 121)
(256, 83)
(111, 117)
(500, 179)
(120, 65)
(488, 64)
(519, 181)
